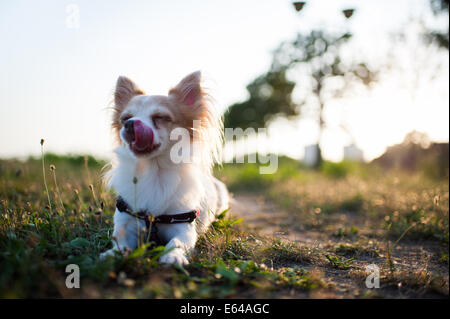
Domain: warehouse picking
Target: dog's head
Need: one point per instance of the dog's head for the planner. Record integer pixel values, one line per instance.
(143, 123)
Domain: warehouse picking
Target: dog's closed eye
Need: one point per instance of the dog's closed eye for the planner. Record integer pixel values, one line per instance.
(159, 120)
(125, 118)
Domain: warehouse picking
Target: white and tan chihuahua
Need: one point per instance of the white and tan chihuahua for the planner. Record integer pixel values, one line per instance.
(148, 175)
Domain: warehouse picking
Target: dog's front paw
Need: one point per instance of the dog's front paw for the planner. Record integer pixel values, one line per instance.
(175, 256)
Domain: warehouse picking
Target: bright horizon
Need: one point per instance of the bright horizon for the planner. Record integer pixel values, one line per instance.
(56, 81)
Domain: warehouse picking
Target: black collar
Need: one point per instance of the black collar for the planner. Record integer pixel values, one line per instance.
(188, 217)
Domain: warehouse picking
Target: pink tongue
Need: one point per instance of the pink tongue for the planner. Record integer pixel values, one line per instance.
(143, 136)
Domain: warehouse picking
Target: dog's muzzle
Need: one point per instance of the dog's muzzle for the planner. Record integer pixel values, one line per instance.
(139, 136)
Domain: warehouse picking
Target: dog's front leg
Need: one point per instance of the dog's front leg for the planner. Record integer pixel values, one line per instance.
(125, 235)
(180, 240)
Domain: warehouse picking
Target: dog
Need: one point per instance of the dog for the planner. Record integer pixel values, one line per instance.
(179, 198)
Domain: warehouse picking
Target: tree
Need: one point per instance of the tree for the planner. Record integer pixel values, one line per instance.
(314, 57)
(270, 95)
(439, 7)
(317, 57)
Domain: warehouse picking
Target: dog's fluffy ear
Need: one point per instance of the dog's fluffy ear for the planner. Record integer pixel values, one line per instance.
(193, 102)
(188, 92)
(125, 90)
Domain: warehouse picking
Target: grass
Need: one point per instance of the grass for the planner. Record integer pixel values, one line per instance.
(358, 215)
(339, 262)
(393, 201)
(46, 226)
(357, 218)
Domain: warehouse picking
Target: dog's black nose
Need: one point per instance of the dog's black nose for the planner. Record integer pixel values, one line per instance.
(129, 130)
(129, 126)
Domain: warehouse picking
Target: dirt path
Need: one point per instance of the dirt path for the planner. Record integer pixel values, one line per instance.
(268, 219)
(410, 258)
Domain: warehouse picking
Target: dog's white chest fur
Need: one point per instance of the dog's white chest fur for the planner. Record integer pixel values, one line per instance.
(157, 187)
(148, 185)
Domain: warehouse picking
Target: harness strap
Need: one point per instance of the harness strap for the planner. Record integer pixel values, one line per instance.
(150, 221)
(188, 217)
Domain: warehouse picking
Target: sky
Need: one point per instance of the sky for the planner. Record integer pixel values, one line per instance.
(60, 59)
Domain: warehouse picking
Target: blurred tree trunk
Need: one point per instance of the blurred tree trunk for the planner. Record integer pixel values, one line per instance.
(318, 91)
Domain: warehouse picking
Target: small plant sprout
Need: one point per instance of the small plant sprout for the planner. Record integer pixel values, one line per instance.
(77, 194)
(91, 188)
(135, 180)
(390, 248)
(150, 218)
(339, 262)
(43, 173)
(100, 212)
(86, 167)
(94, 196)
(53, 170)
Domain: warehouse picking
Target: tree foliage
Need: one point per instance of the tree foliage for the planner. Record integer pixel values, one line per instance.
(270, 95)
(441, 38)
(316, 58)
